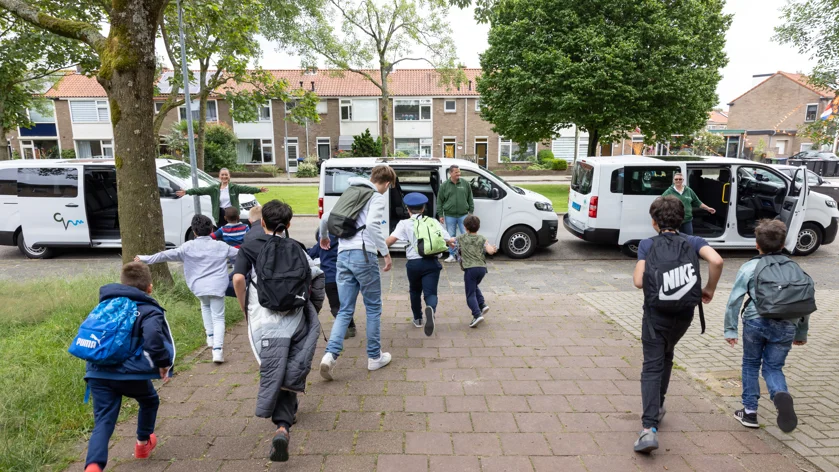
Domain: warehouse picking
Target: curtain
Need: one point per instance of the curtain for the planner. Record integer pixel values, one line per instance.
(244, 151)
(84, 150)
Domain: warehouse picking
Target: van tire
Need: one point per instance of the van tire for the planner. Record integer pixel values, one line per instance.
(630, 249)
(809, 239)
(42, 253)
(519, 242)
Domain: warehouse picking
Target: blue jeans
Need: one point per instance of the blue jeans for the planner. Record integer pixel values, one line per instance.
(687, 228)
(452, 225)
(472, 277)
(423, 277)
(765, 342)
(357, 272)
(107, 400)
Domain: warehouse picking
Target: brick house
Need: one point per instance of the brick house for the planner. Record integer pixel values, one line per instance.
(427, 120)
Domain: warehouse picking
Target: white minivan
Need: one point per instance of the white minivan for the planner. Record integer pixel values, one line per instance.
(515, 219)
(610, 198)
(46, 204)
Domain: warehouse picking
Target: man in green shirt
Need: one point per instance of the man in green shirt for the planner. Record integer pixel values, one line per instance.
(689, 200)
(454, 203)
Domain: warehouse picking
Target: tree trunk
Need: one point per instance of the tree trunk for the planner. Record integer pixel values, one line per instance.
(127, 75)
(593, 138)
(200, 131)
(385, 132)
(4, 149)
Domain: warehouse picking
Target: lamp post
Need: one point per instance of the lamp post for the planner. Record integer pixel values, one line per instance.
(188, 105)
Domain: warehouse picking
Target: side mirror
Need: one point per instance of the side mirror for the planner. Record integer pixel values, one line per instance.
(495, 194)
(166, 192)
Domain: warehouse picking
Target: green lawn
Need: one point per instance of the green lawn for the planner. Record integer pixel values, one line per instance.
(304, 198)
(42, 415)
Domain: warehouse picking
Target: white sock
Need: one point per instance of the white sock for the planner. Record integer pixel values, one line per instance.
(750, 412)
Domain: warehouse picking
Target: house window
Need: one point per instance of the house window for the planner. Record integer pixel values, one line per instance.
(290, 106)
(450, 106)
(409, 146)
(48, 115)
(806, 147)
(212, 112)
(157, 107)
(265, 112)
(346, 110)
(324, 148)
(412, 110)
(425, 147)
(89, 111)
(812, 111)
(254, 151)
(322, 107)
(514, 151)
(478, 104)
(95, 149)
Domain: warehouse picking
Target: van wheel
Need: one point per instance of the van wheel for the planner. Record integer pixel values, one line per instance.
(809, 239)
(519, 242)
(630, 249)
(32, 253)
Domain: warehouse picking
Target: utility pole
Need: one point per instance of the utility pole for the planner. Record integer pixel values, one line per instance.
(188, 105)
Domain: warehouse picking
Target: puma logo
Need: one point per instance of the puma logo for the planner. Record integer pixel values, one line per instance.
(682, 277)
(302, 297)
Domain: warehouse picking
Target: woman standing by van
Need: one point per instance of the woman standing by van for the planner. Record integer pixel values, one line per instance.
(224, 195)
(689, 200)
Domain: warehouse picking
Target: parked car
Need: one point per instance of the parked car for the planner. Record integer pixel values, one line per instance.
(814, 181)
(816, 155)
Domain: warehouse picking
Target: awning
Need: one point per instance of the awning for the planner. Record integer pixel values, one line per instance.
(345, 143)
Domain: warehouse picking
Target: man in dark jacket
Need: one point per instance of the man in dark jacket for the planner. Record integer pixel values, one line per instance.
(154, 354)
(283, 342)
(328, 264)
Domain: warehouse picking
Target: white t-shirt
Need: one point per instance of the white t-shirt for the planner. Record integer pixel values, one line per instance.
(224, 198)
(405, 232)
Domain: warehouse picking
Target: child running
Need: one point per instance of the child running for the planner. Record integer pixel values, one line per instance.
(233, 233)
(328, 264)
(426, 241)
(205, 270)
(473, 246)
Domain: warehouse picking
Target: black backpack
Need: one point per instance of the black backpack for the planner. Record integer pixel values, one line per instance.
(672, 281)
(283, 276)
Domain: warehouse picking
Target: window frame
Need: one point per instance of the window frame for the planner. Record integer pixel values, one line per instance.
(97, 105)
(502, 142)
(182, 111)
(642, 170)
(8, 187)
(807, 112)
(104, 143)
(52, 105)
(422, 103)
(265, 106)
(324, 141)
(477, 104)
(346, 103)
(66, 171)
(446, 104)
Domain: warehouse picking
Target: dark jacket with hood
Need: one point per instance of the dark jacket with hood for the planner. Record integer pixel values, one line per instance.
(328, 259)
(151, 340)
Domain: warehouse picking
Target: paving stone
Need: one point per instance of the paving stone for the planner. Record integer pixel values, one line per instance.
(428, 443)
(228, 447)
(506, 464)
(524, 444)
(401, 463)
(511, 403)
(201, 465)
(494, 422)
(553, 464)
(379, 443)
(182, 447)
(350, 463)
(354, 421)
(329, 442)
(449, 422)
(465, 403)
(453, 464)
(398, 421)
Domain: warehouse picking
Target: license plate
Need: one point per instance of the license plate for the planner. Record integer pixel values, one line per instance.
(576, 206)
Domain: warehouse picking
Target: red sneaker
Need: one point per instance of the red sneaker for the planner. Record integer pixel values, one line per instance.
(142, 451)
(93, 468)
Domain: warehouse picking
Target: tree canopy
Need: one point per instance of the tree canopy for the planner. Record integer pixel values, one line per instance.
(809, 26)
(607, 66)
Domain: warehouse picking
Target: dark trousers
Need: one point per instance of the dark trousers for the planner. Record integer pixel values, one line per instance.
(687, 228)
(334, 301)
(423, 277)
(285, 409)
(658, 359)
(107, 400)
(472, 277)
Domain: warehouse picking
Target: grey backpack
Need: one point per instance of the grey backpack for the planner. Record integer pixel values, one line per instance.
(782, 290)
(342, 218)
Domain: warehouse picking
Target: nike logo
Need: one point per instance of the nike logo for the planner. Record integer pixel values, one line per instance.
(683, 277)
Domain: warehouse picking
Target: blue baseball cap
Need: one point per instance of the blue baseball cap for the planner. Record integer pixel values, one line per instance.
(415, 199)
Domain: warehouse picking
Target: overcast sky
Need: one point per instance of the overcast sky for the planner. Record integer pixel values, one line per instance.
(749, 46)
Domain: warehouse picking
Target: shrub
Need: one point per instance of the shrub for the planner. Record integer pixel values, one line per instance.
(68, 153)
(219, 148)
(400, 154)
(269, 169)
(516, 168)
(341, 154)
(535, 167)
(169, 156)
(306, 169)
(16, 156)
(559, 164)
(544, 155)
(364, 145)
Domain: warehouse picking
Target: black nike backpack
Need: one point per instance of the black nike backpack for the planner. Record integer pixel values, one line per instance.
(672, 281)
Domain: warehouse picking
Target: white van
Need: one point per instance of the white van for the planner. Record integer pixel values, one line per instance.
(46, 204)
(515, 219)
(610, 198)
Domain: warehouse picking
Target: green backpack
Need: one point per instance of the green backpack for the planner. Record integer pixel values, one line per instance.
(430, 241)
(342, 218)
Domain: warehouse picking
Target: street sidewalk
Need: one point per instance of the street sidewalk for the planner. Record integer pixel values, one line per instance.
(284, 180)
(546, 383)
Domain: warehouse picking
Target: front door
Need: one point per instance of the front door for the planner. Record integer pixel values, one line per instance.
(642, 185)
(51, 201)
(794, 207)
(291, 153)
(481, 153)
(489, 206)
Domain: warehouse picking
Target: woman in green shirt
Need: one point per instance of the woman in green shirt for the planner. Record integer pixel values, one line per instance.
(223, 195)
(689, 200)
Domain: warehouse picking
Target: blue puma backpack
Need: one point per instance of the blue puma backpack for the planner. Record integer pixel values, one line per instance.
(104, 338)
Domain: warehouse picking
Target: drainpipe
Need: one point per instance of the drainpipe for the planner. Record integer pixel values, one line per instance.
(465, 123)
(307, 138)
(285, 143)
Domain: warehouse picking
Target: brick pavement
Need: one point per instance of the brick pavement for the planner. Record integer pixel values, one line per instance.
(546, 384)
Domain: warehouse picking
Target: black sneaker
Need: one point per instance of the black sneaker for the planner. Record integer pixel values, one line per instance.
(787, 420)
(475, 321)
(748, 420)
(429, 321)
(417, 323)
(279, 446)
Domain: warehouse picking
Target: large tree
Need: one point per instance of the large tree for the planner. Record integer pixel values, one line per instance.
(126, 71)
(809, 25)
(357, 35)
(31, 62)
(606, 66)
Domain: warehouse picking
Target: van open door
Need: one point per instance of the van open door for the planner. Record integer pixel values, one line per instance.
(52, 206)
(795, 206)
(643, 183)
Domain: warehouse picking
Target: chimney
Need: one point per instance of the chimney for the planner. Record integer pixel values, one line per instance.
(313, 86)
(470, 85)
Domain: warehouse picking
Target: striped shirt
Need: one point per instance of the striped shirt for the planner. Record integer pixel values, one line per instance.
(232, 233)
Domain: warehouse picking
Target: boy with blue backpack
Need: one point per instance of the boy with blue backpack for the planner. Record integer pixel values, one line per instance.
(126, 342)
(775, 317)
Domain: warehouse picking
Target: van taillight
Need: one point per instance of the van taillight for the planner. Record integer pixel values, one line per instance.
(592, 208)
(320, 207)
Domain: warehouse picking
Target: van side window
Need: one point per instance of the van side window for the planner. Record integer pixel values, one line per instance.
(8, 181)
(616, 186)
(582, 178)
(481, 186)
(652, 181)
(337, 179)
(48, 182)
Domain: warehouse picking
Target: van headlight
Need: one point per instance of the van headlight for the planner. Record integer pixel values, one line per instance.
(830, 203)
(543, 206)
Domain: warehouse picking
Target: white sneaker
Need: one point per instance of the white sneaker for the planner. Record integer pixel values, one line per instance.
(450, 259)
(376, 364)
(210, 342)
(327, 365)
(218, 356)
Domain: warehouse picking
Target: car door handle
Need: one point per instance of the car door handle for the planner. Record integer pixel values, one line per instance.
(9, 203)
(72, 205)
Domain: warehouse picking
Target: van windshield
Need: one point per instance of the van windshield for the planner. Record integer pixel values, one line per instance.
(582, 178)
(512, 187)
(184, 172)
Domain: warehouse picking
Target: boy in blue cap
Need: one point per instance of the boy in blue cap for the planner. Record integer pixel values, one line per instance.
(426, 239)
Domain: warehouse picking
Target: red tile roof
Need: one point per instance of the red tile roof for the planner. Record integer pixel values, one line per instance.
(328, 83)
(800, 79)
(717, 116)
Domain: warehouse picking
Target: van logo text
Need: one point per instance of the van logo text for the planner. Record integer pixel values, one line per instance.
(683, 277)
(57, 217)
